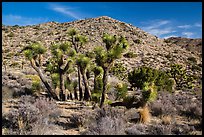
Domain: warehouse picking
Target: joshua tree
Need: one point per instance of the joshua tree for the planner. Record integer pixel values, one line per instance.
(105, 57)
(59, 64)
(83, 62)
(182, 79)
(33, 53)
(77, 41)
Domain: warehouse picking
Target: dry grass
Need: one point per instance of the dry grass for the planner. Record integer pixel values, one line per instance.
(166, 120)
(145, 115)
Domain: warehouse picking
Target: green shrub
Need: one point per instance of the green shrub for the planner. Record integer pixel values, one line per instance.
(182, 79)
(145, 75)
(137, 41)
(36, 82)
(196, 67)
(55, 79)
(192, 59)
(169, 56)
(121, 90)
(11, 34)
(138, 77)
(119, 71)
(130, 55)
(149, 92)
(14, 64)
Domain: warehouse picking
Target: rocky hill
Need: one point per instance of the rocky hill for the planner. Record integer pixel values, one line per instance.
(150, 50)
(193, 45)
(178, 113)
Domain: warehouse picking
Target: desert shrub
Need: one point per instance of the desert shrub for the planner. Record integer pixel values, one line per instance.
(121, 90)
(136, 129)
(106, 121)
(7, 93)
(185, 129)
(182, 79)
(106, 126)
(141, 129)
(192, 109)
(137, 41)
(163, 81)
(159, 129)
(11, 34)
(170, 104)
(169, 56)
(77, 120)
(143, 76)
(36, 82)
(119, 70)
(32, 115)
(196, 67)
(164, 105)
(14, 64)
(130, 55)
(167, 41)
(138, 77)
(192, 59)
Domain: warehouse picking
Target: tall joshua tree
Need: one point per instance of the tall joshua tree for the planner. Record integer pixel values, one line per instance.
(83, 62)
(77, 41)
(105, 57)
(60, 62)
(34, 54)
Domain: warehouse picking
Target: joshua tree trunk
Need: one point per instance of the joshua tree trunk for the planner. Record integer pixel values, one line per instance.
(105, 81)
(43, 79)
(87, 93)
(80, 85)
(75, 94)
(62, 88)
(71, 97)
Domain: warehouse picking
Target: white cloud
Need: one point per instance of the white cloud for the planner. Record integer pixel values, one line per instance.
(21, 21)
(166, 37)
(66, 10)
(198, 25)
(161, 31)
(187, 34)
(184, 26)
(158, 27)
(156, 24)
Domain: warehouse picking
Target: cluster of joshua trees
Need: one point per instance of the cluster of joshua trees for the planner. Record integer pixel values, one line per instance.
(67, 57)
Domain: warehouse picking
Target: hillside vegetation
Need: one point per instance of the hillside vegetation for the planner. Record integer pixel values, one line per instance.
(99, 76)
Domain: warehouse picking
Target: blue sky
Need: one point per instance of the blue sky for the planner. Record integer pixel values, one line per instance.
(163, 19)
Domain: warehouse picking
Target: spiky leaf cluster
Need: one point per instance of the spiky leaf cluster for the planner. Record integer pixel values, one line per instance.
(149, 92)
(114, 47)
(32, 51)
(61, 54)
(83, 62)
(119, 70)
(121, 89)
(77, 39)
